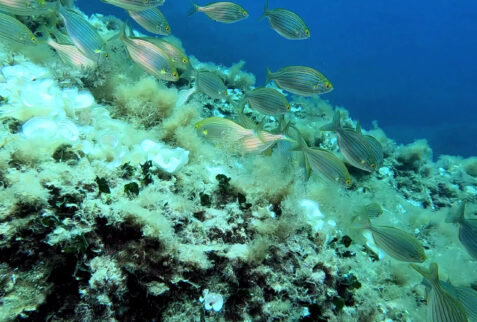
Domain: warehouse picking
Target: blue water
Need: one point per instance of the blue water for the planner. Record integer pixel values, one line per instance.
(410, 65)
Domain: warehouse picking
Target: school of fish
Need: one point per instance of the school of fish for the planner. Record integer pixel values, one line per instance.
(79, 44)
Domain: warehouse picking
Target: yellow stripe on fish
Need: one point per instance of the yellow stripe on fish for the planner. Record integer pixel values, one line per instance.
(286, 23)
(300, 80)
(27, 7)
(149, 57)
(135, 4)
(152, 20)
(82, 33)
(13, 30)
(268, 101)
(221, 11)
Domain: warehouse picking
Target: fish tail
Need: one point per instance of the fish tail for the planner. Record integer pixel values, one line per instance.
(265, 11)
(269, 76)
(193, 10)
(335, 123)
(431, 274)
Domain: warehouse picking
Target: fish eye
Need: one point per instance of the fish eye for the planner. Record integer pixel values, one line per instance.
(373, 166)
(174, 74)
(327, 84)
(244, 13)
(307, 32)
(33, 38)
(168, 28)
(348, 182)
(288, 106)
(184, 60)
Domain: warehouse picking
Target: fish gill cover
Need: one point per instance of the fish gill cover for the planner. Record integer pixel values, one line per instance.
(145, 177)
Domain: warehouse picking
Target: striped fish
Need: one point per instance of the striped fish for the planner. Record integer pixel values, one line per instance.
(177, 56)
(286, 23)
(71, 55)
(136, 5)
(27, 7)
(443, 307)
(327, 165)
(300, 80)
(372, 210)
(397, 243)
(268, 101)
(82, 33)
(211, 84)
(149, 57)
(222, 11)
(219, 128)
(13, 30)
(152, 20)
(261, 141)
(467, 229)
(466, 296)
(356, 148)
(375, 146)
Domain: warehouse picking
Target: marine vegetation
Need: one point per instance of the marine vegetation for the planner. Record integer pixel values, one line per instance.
(139, 183)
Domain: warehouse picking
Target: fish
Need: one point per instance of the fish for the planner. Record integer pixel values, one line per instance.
(152, 20)
(467, 229)
(136, 5)
(372, 210)
(442, 306)
(375, 146)
(210, 84)
(221, 11)
(149, 57)
(82, 33)
(300, 80)
(268, 101)
(71, 55)
(324, 162)
(230, 134)
(396, 243)
(466, 296)
(355, 148)
(286, 23)
(13, 30)
(327, 165)
(177, 56)
(27, 7)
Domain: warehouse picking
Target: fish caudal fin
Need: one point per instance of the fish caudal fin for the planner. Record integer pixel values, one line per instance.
(335, 123)
(193, 10)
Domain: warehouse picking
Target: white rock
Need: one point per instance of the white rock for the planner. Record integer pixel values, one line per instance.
(39, 127)
(314, 217)
(212, 301)
(167, 159)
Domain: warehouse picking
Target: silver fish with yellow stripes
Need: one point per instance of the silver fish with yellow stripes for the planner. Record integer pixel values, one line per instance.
(396, 243)
(82, 33)
(467, 229)
(221, 11)
(375, 146)
(286, 23)
(27, 7)
(135, 4)
(267, 101)
(71, 55)
(326, 164)
(300, 80)
(228, 134)
(442, 306)
(149, 57)
(152, 20)
(210, 84)
(372, 210)
(355, 147)
(11, 29)
(177, 56)
(467, 296)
